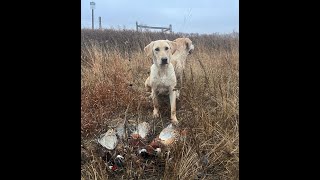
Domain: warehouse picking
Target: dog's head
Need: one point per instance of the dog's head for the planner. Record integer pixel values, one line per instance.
(184, 45)
(160, 51)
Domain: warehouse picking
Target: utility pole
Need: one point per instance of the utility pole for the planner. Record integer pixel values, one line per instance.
(100, 27)
(92, 6)
(137, 25)
(92, 20)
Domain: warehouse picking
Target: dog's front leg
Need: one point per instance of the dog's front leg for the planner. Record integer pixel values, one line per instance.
(147, 85)
(148, 88)
(172, 96)
(155, 104)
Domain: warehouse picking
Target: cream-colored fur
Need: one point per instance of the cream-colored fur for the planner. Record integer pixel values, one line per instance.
(178, 59)
(162, 79)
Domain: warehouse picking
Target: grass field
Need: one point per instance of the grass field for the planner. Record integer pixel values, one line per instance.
(113, 70)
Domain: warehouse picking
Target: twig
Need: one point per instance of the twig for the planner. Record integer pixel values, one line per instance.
(205, 73)
(125, 124)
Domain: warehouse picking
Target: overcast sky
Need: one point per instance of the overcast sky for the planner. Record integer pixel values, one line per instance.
(188, 16)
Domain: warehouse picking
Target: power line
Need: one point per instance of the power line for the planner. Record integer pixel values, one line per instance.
(186, 19)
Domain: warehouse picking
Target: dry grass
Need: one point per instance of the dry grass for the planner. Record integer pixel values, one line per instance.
(113, 70)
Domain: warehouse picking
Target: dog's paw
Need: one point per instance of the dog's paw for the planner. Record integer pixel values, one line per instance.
(155, 113)
(174, 121)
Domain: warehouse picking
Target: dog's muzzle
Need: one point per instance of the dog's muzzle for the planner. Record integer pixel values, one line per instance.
(191, 49)
(164, 61)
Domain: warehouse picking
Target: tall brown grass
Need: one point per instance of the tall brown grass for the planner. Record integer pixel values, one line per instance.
(113, 70)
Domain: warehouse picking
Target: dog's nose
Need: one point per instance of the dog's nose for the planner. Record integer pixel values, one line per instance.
(164, 60)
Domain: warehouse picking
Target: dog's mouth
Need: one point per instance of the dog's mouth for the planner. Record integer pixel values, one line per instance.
(190, 52)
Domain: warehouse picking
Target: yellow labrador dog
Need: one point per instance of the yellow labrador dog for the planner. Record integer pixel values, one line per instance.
(178, 60)
(162, 79)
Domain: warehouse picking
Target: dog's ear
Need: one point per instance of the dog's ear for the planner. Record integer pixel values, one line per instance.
(148, 49)
(173, 46)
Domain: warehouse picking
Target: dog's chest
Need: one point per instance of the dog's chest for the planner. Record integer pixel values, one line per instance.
(162, 81)
(162, 84)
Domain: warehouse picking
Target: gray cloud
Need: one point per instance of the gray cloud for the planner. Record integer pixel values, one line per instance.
(205, 16)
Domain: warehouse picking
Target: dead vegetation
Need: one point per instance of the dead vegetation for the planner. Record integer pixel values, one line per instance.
(113, 70)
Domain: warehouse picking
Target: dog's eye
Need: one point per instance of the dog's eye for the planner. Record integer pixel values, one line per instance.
(166, 48)
(157, 49)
